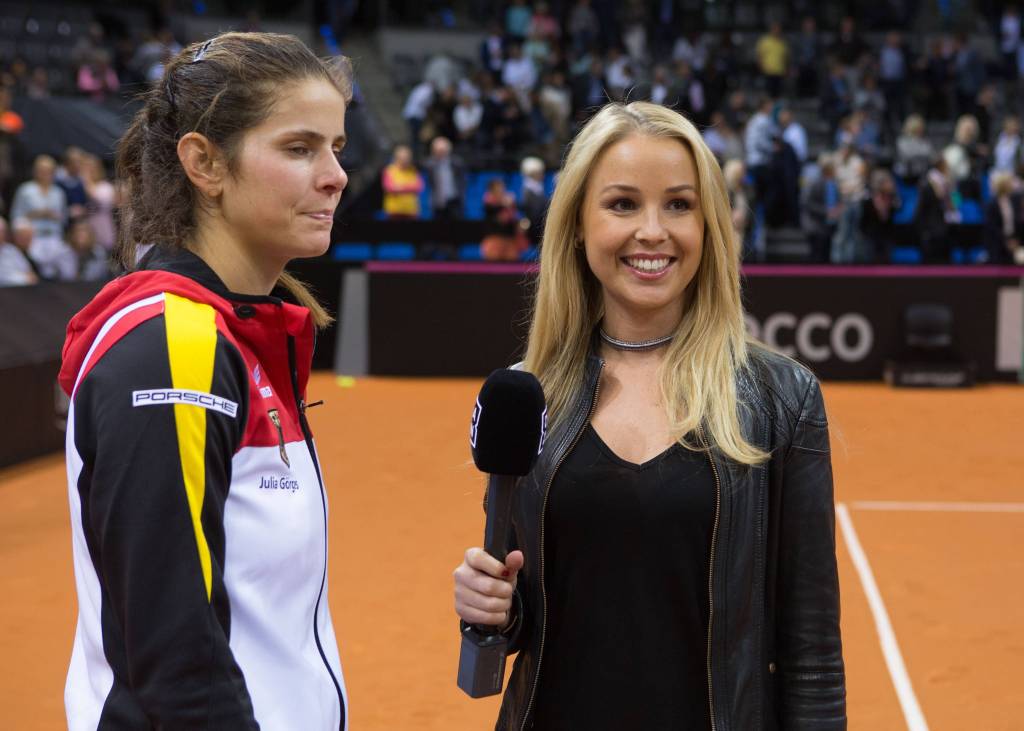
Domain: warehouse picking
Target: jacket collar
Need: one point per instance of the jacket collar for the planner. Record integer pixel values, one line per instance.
(180, 260)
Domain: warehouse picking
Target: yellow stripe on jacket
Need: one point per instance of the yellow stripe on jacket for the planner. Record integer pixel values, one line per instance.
(191, 346)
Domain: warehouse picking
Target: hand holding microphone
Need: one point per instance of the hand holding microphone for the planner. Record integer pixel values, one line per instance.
(506, 435)
(484, 587)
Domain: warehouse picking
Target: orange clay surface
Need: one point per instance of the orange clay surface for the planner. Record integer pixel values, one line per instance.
(405, 503)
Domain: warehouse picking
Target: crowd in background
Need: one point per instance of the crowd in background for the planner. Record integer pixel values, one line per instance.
(61, 223)
(832, 133)
(828, 125)
(58, 220)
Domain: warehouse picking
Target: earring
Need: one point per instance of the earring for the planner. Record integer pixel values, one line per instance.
(577, 243)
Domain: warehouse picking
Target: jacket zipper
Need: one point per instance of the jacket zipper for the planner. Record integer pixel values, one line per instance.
(711, 571)
(308, 436)
(543, 511)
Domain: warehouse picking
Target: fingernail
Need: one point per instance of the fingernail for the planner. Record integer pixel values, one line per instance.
(505, 574)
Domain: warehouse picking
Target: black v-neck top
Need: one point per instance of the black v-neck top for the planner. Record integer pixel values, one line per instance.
(627, 548)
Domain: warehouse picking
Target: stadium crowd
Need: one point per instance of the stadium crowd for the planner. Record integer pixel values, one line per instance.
(863, 146)
(824, 132)
(58, 221)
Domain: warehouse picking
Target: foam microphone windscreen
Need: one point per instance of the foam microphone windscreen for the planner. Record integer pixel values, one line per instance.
(509, 423)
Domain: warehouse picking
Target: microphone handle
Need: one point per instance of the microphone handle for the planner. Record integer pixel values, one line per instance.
(484, 648)
(499, 521)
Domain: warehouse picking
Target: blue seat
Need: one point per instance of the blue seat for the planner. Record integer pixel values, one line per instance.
(358, 251)
(970, 212)
(470, 252)
(905, 255)
(396, 251)
(908, 198)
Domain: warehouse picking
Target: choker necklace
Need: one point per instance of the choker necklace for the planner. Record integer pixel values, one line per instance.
(641, 345)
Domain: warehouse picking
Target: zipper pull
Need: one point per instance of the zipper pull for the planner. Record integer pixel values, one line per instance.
(275, 419)
(303, 405)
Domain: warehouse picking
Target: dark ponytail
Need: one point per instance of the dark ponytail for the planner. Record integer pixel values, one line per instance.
(220, 88)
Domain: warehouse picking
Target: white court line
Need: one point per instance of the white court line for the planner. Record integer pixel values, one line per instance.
(938, 507)
(890, 649)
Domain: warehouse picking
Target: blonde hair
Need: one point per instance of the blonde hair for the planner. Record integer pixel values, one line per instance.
(698, 375)
(966, 130)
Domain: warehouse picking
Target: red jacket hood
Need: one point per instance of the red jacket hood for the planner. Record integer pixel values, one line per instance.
(85, 326)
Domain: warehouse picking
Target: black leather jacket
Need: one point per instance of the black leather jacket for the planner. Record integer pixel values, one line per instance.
(774, 652)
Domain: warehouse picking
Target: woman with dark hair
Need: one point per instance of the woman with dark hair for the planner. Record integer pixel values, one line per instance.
(199, 515)
(672, 564)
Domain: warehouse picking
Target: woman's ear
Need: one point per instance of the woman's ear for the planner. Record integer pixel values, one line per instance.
(203, 164)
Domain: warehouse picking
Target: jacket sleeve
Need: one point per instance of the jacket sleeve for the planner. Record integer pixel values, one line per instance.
(811, 682)
(158, 465)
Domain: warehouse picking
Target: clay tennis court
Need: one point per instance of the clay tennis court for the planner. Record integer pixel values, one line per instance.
(932, 483)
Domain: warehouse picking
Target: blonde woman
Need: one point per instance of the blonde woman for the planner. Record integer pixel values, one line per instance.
(673, 564)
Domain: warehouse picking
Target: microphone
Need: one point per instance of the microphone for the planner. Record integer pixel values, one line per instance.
(507, 433)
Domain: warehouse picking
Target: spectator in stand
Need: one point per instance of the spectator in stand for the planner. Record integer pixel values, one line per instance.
(821, 210)
(69, 178)
(492, 51)
(807, 56)
(658, 89)
(986, 111)
(851, 175)
(773, 59)
(89, 262)
(935, 212)
(723, 140)
(51, 257)
(936, 80)
(440, 120)
(543, 24)
(589, 89)
(968, 73)
(41, 201)
(634, 34)
(517, 21)
(687, 94)
(733, 173)
(693, 49)
(914, 153)
(96, 78)
(583, 26)
(102, 200)
(38, 86)
(893, 73)
(533, 201)
(519, 72)
(508, 241)
(836, 97)
(537, 49)
(11, 125)
(1009, 39)
(782, 198)
(1004, 221)
(447, 180)
(619, 73)
(758, 143)
(402, 185)
(504, 121)
(966, 158)
(793, 133)
(1007, 153)
(415, 112)
(16, 268)
(556, 103)
(878, 231)
(467, 118)
(849, 47)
